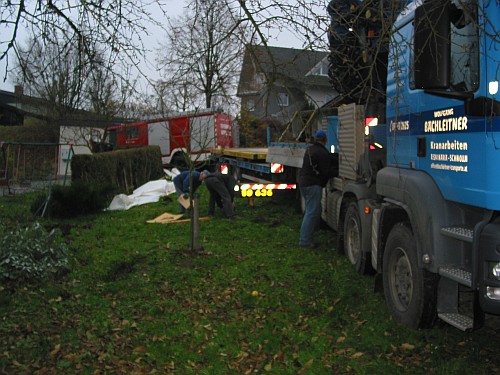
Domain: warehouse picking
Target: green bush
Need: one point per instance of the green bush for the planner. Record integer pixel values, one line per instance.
(28, 254)
(77, 199)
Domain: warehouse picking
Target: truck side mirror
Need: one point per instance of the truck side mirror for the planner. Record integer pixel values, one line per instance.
(432, 56)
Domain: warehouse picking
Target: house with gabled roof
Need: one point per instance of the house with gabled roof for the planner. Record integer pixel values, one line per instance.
(15, 107)
(76, 131)
(276, 83)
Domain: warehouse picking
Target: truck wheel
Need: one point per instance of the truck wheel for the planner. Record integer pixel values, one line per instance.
(410, 291)
(352, 240)
(179, 162)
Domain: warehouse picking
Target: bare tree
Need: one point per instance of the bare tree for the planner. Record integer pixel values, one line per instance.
(54, 72)
(203, 55)
(117, 26)
(305, 21)
(61, 74)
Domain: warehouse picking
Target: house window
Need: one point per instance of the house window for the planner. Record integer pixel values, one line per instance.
(250, 105)
(260, 78)
(283, 99)
(321, 69)
(324, 68)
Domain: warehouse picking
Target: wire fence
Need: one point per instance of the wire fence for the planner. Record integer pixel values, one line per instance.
(31, 166)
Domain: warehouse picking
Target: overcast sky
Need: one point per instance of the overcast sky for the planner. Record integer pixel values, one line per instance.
(174, 8)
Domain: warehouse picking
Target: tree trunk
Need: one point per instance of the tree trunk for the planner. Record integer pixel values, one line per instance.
(195, 224)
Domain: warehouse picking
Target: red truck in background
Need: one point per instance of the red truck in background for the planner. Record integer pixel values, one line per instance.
(192, 133)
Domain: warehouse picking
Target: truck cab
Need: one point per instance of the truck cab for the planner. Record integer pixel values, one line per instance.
(426, 221)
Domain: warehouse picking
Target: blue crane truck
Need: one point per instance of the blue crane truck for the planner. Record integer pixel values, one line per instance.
(417, 198)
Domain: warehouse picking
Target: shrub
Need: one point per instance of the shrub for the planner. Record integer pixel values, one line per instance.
(28, 254)
(77, 199)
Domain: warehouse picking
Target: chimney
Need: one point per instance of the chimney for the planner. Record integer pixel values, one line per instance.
(19, 90)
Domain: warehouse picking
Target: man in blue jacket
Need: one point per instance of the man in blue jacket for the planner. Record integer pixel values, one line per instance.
(182, 182)
(317, 168)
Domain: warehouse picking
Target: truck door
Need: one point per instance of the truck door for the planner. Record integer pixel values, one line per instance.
(135, 135)
(202, 133)
(223, 130)
(159, 136)
(179, 133)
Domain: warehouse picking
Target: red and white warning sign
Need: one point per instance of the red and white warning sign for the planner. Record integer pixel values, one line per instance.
(277, 168)
(265, 187)
(224, 169)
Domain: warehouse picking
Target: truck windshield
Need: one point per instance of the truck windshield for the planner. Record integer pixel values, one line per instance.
(464, 46)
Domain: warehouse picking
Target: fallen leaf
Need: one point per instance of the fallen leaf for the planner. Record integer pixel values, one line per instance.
(306, 366)
(407, 346)
(56, 349)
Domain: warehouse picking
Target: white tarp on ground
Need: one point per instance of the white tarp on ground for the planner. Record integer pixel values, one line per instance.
(150, 192)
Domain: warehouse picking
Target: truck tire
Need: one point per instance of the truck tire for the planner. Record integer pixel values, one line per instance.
(352, 241)
(179, 162)
(410, 291)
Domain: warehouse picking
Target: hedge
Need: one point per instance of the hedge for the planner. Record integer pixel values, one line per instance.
(125, 169)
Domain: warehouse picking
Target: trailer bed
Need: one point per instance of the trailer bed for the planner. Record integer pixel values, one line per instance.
(251, 153)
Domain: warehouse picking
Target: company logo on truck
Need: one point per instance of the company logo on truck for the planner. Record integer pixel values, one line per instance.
(444, 121)
(448, 124)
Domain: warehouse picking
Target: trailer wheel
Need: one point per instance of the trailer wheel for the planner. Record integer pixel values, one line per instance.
(410, 291)
(236, 173)
(352, 240)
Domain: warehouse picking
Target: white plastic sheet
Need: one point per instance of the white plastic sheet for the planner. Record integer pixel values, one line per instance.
(150, 192)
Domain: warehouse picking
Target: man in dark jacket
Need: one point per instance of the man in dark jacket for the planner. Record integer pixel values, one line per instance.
(221, 188)
(317, 169)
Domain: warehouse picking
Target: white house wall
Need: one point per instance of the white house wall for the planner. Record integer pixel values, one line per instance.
(74, 141)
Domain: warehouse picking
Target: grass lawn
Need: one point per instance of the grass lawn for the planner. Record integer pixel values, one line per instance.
(136, 300)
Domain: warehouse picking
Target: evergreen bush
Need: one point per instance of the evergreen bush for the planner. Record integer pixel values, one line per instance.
(28, 254)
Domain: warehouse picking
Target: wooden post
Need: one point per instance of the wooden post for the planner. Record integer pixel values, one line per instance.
(195, 224)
